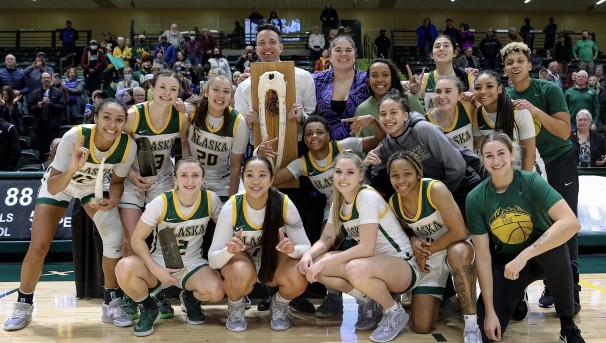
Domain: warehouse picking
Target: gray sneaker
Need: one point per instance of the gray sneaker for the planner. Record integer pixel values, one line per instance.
(390, 326)
(236, 322)
(332, 304)
(280, 320)
(21, 316)
(368, 315)
(114, 313)
(473, 336)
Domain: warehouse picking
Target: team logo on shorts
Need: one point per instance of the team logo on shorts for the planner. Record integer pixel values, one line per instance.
(512, 225)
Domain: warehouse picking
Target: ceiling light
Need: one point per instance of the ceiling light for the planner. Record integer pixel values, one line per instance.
(526, 1)
(599, 2)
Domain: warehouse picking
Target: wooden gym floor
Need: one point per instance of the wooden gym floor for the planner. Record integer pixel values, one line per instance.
(59, 317)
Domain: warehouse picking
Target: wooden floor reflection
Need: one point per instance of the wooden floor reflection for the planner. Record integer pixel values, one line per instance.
(59, 317)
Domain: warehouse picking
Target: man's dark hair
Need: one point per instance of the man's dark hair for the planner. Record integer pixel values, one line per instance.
(270, 27)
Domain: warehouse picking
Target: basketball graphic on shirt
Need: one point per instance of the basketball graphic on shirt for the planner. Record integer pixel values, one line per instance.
(511, 225)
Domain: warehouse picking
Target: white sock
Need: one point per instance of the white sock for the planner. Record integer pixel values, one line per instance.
(237, 302)
(471, 320)
(394, 308)
(359, 295)
(281, 300)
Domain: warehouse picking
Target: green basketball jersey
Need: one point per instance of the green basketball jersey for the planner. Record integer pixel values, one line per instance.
(212, 146)
(162, 140)
(189, 230)
(251, 234)
(428, 221)
(85, 176)
(461, 129)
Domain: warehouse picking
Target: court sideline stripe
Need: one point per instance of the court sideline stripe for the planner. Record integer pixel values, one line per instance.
(590, 285)
(8, 293)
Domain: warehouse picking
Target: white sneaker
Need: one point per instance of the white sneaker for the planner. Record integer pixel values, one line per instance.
(21, 316)
(390, 326)
(236, 322)
(473, 335)
(114, 313)
(279, 315)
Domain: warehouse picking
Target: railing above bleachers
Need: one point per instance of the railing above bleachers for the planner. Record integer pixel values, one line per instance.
(35, 39)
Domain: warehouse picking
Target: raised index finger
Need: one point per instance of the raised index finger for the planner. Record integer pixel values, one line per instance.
(410, 76)
(375, 150)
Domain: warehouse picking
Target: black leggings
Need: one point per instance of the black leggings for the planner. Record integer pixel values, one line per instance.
(507, 293)
(562, 175)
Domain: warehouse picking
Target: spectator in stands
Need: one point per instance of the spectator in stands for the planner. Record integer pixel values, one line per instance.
(329, 18)
(125, 96)
(182, 65)
(141, 47)
(109, 40)
(128, 81)
(217, 61)
(468, 60)
(451, 31)
(323, 63)
(543, 74)
(69, 36)
(11, 76)
(193, 50)
(513, 36)
(123, 51)
(146, 65)
(490, 48)
(34, 71)
(585, 52)
(247, 57)
(275, 20)
(562, 53)
(527, 36)
(169, 53)
(548, 58)
(238, 34)
(75, 88)
(12, 108)
(139, 95)
(583, 97)
(383, 44)
(208, 44)
(315, 43)
(595, 84)
(342, 88)
(58, 83)
(535, 59)
(588, 146)
(46, 104)
(550, 31)
(599, 73)
(255, 16)
(10, 147)
(93, 63)
(466, 37)
(174, 36)
(426, 34)
(553, 70)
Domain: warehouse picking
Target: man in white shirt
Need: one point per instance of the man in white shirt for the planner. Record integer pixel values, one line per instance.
(316, 44)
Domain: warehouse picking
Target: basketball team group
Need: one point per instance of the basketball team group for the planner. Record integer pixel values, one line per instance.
(448, 178)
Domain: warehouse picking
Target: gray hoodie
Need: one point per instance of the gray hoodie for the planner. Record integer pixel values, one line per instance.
(441, 157)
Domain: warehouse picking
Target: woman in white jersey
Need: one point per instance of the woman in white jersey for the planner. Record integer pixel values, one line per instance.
(374, 267)
(452, 113)
(186, 211)
(438, 242)
(218, 137)
(73, 174)
(496, 113)
(160, 123)
(259, 235)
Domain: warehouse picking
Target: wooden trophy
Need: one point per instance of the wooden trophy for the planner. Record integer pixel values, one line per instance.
(273, 93)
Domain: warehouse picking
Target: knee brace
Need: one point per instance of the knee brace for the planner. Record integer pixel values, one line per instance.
(109, 226)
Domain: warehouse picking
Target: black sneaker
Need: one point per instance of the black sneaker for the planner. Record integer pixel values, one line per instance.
(264, 304)
(302, 304)
(521, 310)
(571, 334)
(546, 300)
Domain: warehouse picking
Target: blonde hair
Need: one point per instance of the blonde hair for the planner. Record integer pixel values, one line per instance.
(337, 197)
(515, 47)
